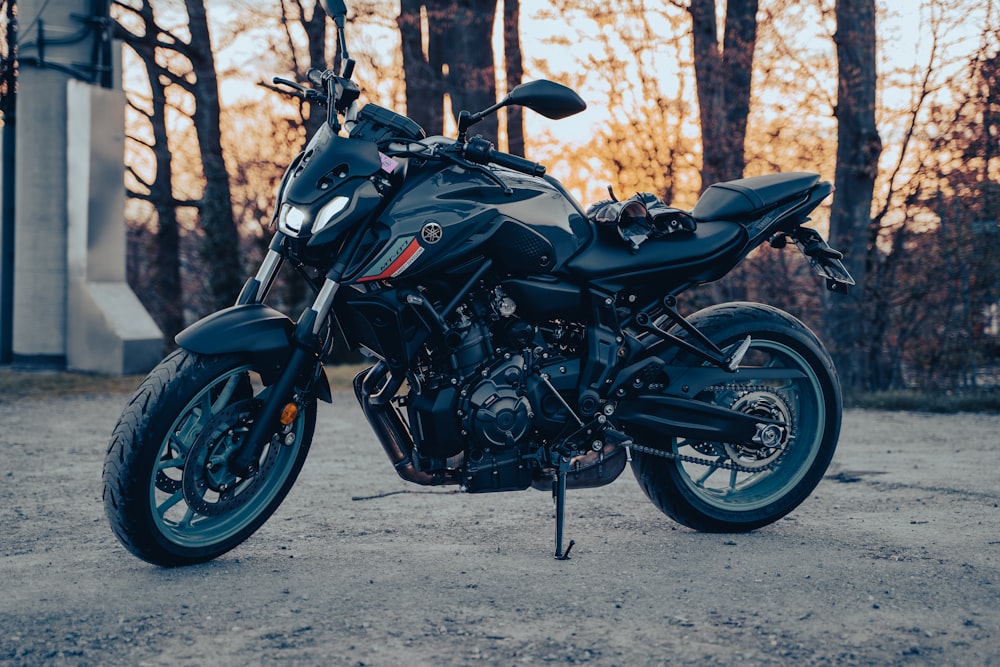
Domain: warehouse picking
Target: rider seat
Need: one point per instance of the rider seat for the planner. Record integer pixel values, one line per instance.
(712, 244)
(751, 197)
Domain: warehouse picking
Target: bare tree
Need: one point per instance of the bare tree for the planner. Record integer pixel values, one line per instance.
(644, 145)
(314, 25)
(220, 251)
(858, 150)
(191, 69)
(457, 61)
(515, 72)
(723, 76)
(939, 283)
(164, 295)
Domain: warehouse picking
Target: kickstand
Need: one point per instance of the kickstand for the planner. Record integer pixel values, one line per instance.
(559, 495)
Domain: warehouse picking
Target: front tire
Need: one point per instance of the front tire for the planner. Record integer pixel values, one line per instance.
(169, 493)
(712, 498)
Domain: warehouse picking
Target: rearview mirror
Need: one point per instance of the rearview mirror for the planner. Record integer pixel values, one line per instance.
(336, 9)
(551, 99)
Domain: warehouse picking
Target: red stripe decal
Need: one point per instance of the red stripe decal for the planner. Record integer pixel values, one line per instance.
(412, 251)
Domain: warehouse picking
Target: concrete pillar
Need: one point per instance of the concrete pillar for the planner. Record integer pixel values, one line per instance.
(39, 333)
(71, 305)
(108, 329)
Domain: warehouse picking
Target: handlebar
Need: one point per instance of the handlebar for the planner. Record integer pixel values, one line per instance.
(339, 95)
(481, 151)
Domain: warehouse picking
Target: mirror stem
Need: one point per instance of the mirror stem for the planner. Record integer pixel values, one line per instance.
(341, 34)
(467, 120)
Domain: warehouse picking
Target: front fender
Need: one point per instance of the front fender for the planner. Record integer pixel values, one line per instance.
(252, 328)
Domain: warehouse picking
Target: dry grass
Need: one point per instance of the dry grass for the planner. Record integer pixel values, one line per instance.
(19, 383)
(906, 400)
(43, 383)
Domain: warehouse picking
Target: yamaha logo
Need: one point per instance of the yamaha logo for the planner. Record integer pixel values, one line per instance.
(431, 232)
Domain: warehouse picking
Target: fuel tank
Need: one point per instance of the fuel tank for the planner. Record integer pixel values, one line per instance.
(443, 216)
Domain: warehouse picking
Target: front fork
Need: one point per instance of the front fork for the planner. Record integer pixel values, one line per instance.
(307, 349)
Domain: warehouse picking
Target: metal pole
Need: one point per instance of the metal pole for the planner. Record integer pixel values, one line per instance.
(7, 196)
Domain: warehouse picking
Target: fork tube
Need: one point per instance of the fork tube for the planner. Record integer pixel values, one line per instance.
(322, 305)
(305, 351)
(267, 271)
(255, 289)
(244, 460)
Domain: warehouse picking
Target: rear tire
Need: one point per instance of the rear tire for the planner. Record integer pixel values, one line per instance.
(714, 499)
(169, 494)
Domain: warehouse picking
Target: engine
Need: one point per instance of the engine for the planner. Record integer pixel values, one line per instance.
(497, 413)
(490, 396)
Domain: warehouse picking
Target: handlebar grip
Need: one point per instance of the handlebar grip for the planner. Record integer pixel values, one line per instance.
(481, 151)
(516, 163)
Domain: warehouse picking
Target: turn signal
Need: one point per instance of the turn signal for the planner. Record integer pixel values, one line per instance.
(288, 414)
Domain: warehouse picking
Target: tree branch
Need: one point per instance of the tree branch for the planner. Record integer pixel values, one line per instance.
(141, 142)
(135, 107)
(136, 176)
(288, 36)
(925, 89)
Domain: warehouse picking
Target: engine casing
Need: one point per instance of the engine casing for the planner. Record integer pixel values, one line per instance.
(484, 402)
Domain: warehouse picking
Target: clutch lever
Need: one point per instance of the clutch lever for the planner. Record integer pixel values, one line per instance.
(299, 91)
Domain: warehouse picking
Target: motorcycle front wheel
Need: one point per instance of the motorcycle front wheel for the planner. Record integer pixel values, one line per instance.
(171, 494)
(726, 487)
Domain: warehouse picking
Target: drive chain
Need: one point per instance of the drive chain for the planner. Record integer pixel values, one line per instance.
(729, 465)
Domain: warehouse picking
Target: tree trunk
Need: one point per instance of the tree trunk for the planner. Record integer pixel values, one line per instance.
(165, 299)
(422, 69)
(458, 60)
(167, 276)
(858, 150)
(723, 80)
(515, 72)
(315, 29)
(472, 82)
(220, 249)
(723, 76)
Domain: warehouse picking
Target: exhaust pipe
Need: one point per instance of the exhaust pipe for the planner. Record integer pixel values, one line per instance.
(389, 427)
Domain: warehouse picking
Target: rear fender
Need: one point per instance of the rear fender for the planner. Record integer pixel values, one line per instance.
(251, 328)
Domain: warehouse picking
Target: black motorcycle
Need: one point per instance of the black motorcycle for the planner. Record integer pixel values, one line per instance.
(516, 341)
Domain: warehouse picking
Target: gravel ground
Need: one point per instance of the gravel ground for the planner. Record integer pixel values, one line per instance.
(893, 561)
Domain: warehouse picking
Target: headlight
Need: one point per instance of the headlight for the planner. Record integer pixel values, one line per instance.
(290, 219)
(329, 212)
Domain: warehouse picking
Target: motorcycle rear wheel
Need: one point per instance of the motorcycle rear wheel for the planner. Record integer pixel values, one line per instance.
(712, 498)
(170, 496)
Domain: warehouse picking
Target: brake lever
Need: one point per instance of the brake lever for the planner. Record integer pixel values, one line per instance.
(482, 169)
